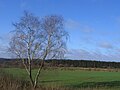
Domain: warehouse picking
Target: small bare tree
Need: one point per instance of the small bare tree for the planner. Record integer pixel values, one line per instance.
(38, 39)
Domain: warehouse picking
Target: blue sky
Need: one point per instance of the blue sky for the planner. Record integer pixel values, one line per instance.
(93, 25)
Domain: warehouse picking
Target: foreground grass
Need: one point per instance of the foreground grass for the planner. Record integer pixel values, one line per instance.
(77, 79)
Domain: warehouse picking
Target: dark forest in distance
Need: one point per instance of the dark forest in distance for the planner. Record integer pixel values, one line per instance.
(62, 63)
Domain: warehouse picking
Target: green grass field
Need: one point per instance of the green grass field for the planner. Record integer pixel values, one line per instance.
(75, 78)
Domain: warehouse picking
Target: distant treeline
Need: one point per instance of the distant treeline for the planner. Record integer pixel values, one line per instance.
(84, 63)
(62, 63)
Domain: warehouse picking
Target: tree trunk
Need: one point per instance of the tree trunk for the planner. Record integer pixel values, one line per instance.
(31, 79)
(38, 74)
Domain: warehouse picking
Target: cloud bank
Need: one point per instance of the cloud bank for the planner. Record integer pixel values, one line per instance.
(82, 54)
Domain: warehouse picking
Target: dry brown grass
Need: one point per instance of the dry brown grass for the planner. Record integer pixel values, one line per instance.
(8, 82)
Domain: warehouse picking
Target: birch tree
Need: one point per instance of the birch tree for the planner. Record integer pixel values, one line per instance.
(39, 39)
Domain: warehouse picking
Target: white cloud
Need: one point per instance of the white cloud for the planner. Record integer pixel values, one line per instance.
(72, 25)
(87, 29)
(78, 54)
(4, 47)
(82, 54)
(4, 52)
(105, 45)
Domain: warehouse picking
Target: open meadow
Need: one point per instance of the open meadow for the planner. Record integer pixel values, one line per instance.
(71, 78)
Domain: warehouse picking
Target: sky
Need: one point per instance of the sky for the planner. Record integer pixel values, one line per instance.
(93, 25)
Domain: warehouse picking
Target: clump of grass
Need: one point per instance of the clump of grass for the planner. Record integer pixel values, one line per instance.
(8, 82)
